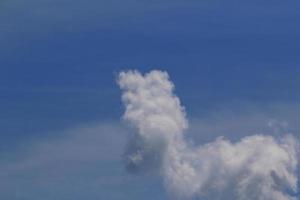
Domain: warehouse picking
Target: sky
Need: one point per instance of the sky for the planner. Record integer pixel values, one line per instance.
(234, 65)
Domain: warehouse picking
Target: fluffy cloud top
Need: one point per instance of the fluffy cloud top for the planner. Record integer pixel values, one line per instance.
(257, 167)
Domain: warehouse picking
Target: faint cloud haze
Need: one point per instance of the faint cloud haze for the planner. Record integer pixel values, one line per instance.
(259, 166)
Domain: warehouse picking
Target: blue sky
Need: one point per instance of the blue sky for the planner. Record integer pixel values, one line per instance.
(233, 60)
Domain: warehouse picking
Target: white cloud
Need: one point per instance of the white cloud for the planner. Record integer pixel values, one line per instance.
(256, 167)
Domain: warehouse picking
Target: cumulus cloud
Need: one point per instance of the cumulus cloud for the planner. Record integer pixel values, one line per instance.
(256, 167)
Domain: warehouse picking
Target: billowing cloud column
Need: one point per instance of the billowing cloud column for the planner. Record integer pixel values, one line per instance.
(256, 168)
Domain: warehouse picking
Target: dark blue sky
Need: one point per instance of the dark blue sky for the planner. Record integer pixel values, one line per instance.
(59, 60)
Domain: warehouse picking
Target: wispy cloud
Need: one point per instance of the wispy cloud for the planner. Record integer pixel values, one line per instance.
(77, 163)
